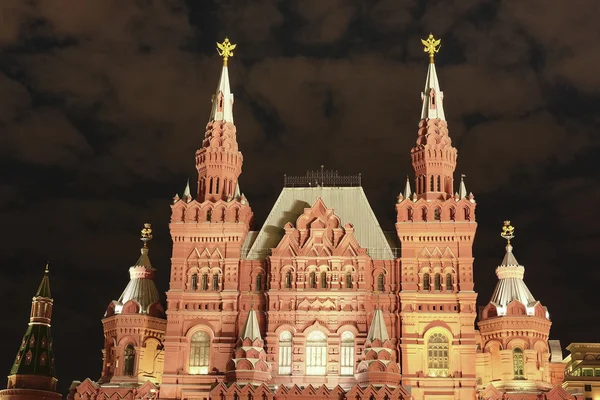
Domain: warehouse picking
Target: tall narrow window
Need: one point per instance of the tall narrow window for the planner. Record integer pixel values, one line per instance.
(204, 281)
(518, 363)
(437, 355)
(449, 286)
(439, 183)
(452, 213)
(258, 283)
(312, 280)
(129, 360)
(424, 214)
(285, 353)
(431, 188)
(323, 280)
(437, 281)
(316, 353)
(209, 215)
(437, 214)
(426, 282)
(347, 354)
(210, 190)
(288, 280)
(348, 281)
(381, 282)
(194, 282)
(215, 282)
(467, 214)
(217, 186)
(199, 353)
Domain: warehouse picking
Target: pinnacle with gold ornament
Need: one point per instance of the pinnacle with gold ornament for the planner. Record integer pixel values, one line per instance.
(432, 46)
(146, 234)
(508, 231)
(225, 50)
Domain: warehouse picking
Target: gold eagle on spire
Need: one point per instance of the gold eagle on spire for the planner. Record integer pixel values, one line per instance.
(225, 49)
(508, 231)
(432, 46)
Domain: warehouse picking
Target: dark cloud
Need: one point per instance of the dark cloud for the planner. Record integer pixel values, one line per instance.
(104, 103)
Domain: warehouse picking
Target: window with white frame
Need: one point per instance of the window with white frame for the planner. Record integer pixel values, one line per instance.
(316, 353)
(199, 353)
(347, 354)
(285, 353)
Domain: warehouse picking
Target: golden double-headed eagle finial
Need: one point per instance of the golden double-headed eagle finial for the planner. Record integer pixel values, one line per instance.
(508, 231)
(146, 234)
(432, 46)
(225, 50)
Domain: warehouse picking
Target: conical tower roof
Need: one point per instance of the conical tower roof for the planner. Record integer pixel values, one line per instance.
(432, 96)
(141, 287)
(511, 285)
(36, 354)
(378, 330)
(251, 328)
(222, 107)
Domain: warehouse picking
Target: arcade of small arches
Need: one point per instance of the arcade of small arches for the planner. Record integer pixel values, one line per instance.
(437, 281)
(217, 185)
(207, 212)
(424, 213)
(323, 277)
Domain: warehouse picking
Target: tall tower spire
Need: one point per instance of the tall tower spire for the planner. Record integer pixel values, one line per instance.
(433, 158)
(34, 365)
(218, 161)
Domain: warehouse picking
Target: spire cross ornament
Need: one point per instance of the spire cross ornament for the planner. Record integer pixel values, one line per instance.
(146, 234)
(47, 267)
(225, 50)
(432, 46)
(508, 231)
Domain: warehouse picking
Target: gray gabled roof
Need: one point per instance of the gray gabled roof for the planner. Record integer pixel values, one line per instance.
(349, 203)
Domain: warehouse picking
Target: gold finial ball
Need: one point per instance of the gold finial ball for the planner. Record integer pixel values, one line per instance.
(432, 46)
(508, 231)
(225, 50)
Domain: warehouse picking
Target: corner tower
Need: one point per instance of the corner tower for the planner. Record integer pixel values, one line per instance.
(436, 230)
(208, 233)
(515, 327)
(32, 375)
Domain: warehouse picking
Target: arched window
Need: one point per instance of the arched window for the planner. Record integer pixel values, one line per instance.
(323, 280)
(194, 282)
(449, 286)
(518, 363)
(431, 188)
(204, 281)
(437, 214)
(409, 214)
(381, 282)
(316, 353)
(209, 215)
(312, 280)
(467, 214)
(258, 283)
(285, 353)
(210, 190)
(215, 282)
(217, 186)
(129, 360)
(199, 353)
(437, 355)
(348, 281)
(347, 354)
(453, 213)
(424, 213)
(288, 280)
(439, 183)
(437, 282)
(426, 282)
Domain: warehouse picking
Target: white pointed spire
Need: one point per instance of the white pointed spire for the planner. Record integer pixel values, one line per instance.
(237, 193)
(222, 101)
(407, 191)
(432, 96)
(378, 330)
(251, 329)
(462, 190)
(187, 196)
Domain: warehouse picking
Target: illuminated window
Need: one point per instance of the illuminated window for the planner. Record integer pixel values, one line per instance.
(312, 280)
(215, 282)
(348, 281)
(437, 355)
(129, 360)
(426, 282)
(587, 372)
(437, 282)
(449, 282)
(518, 363)
(381, 283)
(347, 354)
(199, 353)
(316, 353)
(258, 282)
(323, 280)
(288, 280)
(285, 353)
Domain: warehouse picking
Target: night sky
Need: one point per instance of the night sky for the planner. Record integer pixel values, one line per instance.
(103, 104)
